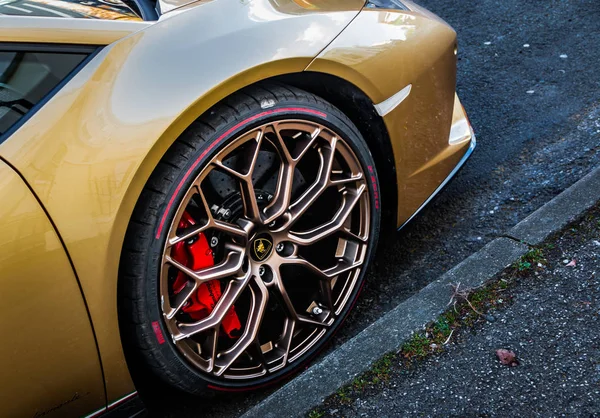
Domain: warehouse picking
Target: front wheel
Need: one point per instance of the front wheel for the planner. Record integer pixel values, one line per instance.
(250, 243)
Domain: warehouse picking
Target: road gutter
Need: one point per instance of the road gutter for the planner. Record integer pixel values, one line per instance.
(389, 332)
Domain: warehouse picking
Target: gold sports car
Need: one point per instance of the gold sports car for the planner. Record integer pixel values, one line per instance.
(194, 190)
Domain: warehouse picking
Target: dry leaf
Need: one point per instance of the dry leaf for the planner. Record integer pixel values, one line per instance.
(507, 357)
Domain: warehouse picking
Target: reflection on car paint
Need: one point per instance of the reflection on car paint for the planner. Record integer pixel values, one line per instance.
(86, 9)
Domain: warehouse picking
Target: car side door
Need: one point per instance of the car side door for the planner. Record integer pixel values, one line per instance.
(49, 362)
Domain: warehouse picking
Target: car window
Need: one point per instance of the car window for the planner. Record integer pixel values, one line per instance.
(26, 78)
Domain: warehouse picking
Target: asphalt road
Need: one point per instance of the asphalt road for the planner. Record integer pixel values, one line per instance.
(536, 113)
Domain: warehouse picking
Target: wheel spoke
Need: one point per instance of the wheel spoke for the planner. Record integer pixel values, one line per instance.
(210, 223)
(180, 299)
(260, 297)
(287, 304)
(250, 203)
(255, 351)
(191, 233)
(326, 293)
(283, 192)
(349, 234)
(251, 209)
(285, 343)
(342, 266)
(196, 229)
(212, 348)
(351, 198)
(341, 181)
(326, 276)
(226, 301)
(225, 227)
(231, 265)
(326, 155)
(230, 229)
(282, 148)
(313, 137)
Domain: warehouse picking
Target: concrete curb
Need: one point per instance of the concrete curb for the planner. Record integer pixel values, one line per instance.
(390, 331)
(560, 211)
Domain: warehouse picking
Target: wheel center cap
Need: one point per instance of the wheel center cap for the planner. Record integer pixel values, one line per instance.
(262, 246)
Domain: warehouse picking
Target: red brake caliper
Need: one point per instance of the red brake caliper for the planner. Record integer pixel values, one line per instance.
(198, 255)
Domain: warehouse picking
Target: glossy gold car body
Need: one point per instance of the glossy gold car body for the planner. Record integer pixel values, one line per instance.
(71, 174)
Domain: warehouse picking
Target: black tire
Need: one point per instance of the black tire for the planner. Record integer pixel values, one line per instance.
(145, 336)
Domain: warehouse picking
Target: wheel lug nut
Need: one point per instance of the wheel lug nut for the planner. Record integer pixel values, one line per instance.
(280, 247)
(317, 310)
(261, 271)
(214, 241)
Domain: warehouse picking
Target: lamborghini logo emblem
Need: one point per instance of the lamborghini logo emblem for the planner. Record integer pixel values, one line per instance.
(262, 248)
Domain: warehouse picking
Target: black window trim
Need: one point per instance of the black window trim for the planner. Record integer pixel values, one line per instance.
(146, 9)
(90, 50)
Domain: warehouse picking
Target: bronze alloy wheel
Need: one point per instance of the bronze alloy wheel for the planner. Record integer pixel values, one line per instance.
(259, 245)
(264, 242)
